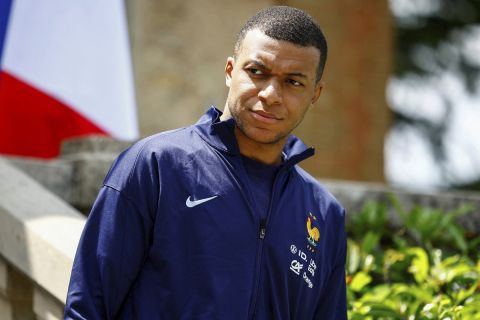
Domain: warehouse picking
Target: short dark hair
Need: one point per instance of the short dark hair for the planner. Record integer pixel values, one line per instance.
(287, 24)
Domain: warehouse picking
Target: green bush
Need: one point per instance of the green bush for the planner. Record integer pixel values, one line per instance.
(427, 267)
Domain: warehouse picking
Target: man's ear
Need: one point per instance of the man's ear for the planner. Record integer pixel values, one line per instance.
(228, 70)
(318, 91)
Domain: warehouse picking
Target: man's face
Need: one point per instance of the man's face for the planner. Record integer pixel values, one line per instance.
(272, 85)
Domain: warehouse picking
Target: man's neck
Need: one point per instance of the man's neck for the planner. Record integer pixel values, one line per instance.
(266, 153)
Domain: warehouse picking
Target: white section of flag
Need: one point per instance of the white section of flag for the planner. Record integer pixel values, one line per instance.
(78, 52)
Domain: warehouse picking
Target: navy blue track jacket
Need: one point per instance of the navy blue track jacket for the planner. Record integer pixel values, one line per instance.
(175, 234)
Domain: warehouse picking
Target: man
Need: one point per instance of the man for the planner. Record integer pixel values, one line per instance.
(216, 220)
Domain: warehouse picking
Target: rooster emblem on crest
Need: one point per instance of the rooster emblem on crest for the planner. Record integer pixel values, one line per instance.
(313, 233)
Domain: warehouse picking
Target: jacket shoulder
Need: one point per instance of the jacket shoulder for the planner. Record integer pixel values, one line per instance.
(140, 163)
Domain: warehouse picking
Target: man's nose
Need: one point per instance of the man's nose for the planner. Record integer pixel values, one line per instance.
(271, 93)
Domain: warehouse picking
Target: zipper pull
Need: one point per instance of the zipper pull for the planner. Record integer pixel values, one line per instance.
(263, 229)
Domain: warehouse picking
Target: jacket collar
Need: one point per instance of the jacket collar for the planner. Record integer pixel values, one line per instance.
(220, 135)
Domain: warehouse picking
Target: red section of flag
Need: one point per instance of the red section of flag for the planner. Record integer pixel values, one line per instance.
(33, 123)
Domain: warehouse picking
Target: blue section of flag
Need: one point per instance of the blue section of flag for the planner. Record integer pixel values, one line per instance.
(5, 6)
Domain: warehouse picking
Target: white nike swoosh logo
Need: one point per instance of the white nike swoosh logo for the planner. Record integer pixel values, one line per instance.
(192, 203)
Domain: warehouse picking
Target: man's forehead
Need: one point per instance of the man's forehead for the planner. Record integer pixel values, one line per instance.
(257, 39)
(257, 46)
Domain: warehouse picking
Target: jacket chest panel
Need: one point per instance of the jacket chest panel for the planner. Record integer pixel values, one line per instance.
(202, 211)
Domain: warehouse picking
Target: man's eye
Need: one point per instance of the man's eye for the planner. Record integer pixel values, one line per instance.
(255, 71)
(294, 82)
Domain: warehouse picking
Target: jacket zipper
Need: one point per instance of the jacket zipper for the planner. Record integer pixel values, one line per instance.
(263, 229)
(262, 233)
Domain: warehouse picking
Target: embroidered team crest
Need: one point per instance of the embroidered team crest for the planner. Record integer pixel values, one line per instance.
(313, 234)
(302, 263)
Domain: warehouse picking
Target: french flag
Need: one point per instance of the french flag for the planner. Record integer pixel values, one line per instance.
(65, 71)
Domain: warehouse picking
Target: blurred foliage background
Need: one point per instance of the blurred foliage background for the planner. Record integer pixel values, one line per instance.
(435, 94)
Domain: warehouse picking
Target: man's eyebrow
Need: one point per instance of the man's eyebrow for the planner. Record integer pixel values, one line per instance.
(297, 74)
(257, 63)
(262, 66)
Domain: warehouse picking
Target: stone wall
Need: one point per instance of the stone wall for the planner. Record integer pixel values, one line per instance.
(39, 233)
(16, 293)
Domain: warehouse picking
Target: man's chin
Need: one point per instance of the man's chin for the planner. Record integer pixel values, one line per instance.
(262, 136)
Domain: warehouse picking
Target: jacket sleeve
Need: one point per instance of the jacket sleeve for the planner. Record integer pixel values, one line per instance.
(109, 256)
(333, 304)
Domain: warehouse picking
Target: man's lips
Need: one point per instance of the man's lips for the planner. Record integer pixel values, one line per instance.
(265, 117)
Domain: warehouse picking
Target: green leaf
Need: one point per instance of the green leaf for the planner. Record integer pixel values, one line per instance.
(360, 280)
(379, 293)
(397, 205)
(462, 210)
(380, 311)
(464, 294)
(419, 266)
(370, 241)
(353, 257)
(458, 237)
